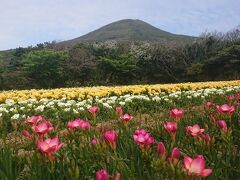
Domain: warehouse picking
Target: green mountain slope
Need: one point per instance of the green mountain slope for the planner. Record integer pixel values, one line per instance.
(131, 30)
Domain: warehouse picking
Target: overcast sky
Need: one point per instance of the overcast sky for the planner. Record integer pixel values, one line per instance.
(28, 22)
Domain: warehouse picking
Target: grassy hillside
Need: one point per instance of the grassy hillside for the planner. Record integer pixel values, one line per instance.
(131, 30)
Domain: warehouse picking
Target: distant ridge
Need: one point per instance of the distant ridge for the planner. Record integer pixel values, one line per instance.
(130, 30)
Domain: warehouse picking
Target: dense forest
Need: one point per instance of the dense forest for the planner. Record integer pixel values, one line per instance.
(213, 56)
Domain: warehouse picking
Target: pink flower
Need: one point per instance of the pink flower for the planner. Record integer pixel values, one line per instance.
(212, 118)
(143, 138)
(33, 120)
(49, 146)
(79, 124)
(237, 95)
(223, 125)
(126, 117)
(196, 166)
(171, 127)
(93, 110)
(95, 141)
(206, 138)
(230, 97)
(74, 124)
(225, 108)
(194, 130)
(161, 150)
(119, 110)
(43, 128)
(175, 154)
(117, 176)
(27, 134)
(85, 125)
(209, 104)
(176, 113)
(102, 175)
(111, 137)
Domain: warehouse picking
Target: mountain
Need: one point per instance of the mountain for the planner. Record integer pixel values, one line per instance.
(130, 30)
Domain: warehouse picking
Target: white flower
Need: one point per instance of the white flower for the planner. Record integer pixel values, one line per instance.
(61, 104)
(40, 108)
(107, 105)
(88, 106)
(15, 117)
(122, 103)
(9, 102)
(81, 109)
(3, 110)
(68, 104)
(67, 109)
(128, 100)
(22, 108)
(156, 98)
(75, 111)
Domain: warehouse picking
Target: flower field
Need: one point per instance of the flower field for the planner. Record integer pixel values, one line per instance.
(172, 131)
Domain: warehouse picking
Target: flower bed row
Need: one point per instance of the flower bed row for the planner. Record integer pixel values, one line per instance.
(180, 135)
(23, 108)
(101, 91)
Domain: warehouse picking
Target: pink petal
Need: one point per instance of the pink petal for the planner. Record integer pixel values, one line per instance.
(187, 162)
(206, 172)
(195, 128)
(197, 165)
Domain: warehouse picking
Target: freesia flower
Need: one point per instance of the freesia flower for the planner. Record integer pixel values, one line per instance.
(79, 124)
(49, 146)
(223, 125)
(111, 137)
(27, 134)
(237, 95)
(117, 176)
(95, 141)
(230, 97)
(175, 154)
(212, 118)
(93, 110)
(102, 175)
(119, 110)
(174, 157)
(126, 117)
(225, 108)
(43, 128)
(206, 137)
(196, 166)
(161, 150)
(33, 120)
(143, 138)
(171, 127)
(176, 113)
(209, 104)
(194, 130)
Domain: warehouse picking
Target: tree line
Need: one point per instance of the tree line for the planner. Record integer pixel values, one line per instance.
(213, 56)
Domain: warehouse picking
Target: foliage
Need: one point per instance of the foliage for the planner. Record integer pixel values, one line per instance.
(81, 158)
(44, 67)
(52, 65)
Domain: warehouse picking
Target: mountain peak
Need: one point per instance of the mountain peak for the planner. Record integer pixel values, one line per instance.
(131, 30)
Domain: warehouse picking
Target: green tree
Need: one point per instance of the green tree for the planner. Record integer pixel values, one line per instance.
(121, 69)
(80, 66)
(225, 65)
(45, 67)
